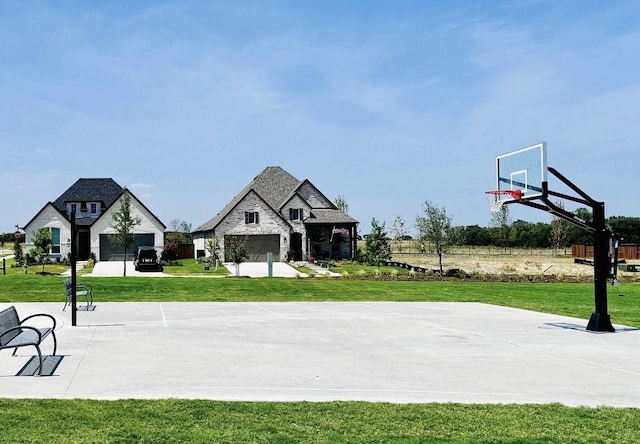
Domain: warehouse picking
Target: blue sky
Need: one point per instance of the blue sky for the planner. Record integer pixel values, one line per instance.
(387, 103)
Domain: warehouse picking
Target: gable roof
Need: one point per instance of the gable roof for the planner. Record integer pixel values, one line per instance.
(106, 191)
(272, 185)
(276, 187)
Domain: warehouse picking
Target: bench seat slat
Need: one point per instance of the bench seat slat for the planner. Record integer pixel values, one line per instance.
(28, 337)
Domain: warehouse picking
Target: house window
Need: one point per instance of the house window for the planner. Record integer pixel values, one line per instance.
(94, 208)
(74, 208)
(55, 240)
(250, 217)
(295, 213)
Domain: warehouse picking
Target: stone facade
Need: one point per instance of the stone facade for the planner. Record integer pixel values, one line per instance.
(288, 211)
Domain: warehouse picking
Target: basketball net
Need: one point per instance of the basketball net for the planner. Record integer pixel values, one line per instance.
(497, 203)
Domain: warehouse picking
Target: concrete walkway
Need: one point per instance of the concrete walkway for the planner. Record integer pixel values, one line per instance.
(320, 270)
(396, 352)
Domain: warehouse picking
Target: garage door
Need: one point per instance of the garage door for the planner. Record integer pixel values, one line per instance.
(110, 252)
(259, 245)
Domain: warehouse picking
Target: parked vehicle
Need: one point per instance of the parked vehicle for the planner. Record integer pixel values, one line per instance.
(146, 259)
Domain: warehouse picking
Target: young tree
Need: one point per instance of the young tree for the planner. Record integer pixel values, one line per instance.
(342, 204)
(435, 227)
(559, 231)
(42, 243)
(123, 223)
(398, 231)
(18, 256)
(503, 229)
(213, 247)
(377, 246)
(236, 250)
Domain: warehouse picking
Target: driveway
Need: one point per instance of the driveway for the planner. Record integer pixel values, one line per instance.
(251, 269)
(116, 268)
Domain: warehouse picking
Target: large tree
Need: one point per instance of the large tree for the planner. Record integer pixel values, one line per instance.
(123, 224)
(577, 234)
(435, 227)
(180, 232)
(377, 245)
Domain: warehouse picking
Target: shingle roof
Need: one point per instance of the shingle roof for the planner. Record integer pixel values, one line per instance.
(329, 216)
(106, 191)
(273, 185)
(276, 186)
(103, 191)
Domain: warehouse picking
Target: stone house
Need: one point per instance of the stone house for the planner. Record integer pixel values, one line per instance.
(287, 217)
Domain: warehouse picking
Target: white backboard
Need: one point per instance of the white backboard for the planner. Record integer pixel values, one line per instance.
(525, 170)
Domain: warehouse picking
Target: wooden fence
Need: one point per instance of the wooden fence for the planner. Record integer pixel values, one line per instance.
(627, 251)
(185, 251)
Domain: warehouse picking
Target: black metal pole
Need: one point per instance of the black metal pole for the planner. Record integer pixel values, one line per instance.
(74, 276)
(600, 320)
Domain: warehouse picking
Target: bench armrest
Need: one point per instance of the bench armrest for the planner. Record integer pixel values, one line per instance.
(53, 320)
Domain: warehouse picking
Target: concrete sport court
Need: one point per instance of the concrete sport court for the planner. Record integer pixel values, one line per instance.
(397, 352)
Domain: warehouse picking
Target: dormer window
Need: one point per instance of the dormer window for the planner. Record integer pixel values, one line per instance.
(74, 208)
(250, 217)
(295, 213)
(94, 208)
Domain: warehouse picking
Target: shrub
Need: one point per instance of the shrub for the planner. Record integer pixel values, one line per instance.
(88, 266)
(170, 252)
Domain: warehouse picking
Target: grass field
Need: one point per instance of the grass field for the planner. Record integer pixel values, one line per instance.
(177, 421)
(197, 421)
(568, 299)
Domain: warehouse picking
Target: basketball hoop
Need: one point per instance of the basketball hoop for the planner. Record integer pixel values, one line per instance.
(497, 203)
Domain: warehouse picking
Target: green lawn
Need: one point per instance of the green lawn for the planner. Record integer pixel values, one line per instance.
(177, 421)
(198, 421)
(568, 299)
(191, 267)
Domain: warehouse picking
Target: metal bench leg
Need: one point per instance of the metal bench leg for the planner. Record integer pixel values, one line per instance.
(55, 342)
(40, 358)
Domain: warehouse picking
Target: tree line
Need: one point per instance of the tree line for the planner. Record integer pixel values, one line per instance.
(435, 226)
(436, 232)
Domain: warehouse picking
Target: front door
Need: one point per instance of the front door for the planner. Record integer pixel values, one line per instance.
(296, 246)
(84, 245)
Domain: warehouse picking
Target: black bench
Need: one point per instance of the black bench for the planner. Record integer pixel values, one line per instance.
(14, 333)
(82, 290)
